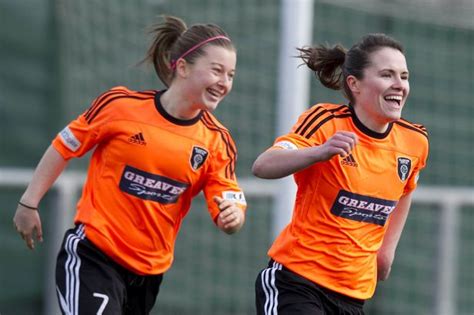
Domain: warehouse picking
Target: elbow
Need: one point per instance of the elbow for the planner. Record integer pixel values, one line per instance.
(269, 166)
(258, 169)
(264, 168)
(384, 266)
(383, 273)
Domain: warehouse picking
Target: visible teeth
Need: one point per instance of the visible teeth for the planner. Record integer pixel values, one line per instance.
(394, 97)
(213, 92)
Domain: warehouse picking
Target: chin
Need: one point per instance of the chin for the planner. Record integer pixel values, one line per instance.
(393, 115)
(211, 106)
(394, 118)
(397, 115)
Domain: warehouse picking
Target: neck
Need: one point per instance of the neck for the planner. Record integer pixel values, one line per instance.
(370, 122)
(177, 105)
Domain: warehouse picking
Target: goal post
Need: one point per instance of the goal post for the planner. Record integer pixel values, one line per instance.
(293, 91)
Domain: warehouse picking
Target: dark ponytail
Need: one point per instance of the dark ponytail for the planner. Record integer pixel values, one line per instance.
(333, 65)
(326, 63)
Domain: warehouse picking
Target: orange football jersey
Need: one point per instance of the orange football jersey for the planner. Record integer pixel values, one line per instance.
(343, 205)
(145, 169)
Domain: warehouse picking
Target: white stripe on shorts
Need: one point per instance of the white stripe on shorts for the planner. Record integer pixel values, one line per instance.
(270, 289)
(70, 302)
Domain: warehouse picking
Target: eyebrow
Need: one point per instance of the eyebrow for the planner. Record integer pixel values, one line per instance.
(220, 65)
(391, 70)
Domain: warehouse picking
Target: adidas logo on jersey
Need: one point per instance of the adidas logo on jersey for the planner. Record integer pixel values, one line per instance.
(349, 160)
(138, 139)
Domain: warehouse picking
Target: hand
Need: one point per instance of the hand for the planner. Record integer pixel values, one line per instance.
(342, 143)
(27, 222)
(231, 218)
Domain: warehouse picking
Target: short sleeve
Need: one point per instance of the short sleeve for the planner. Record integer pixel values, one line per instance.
(294, 140)
(291, 141)
(415, 175)
(87, 130)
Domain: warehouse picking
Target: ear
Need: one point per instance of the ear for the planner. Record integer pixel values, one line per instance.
(182, 68)
(353, 83)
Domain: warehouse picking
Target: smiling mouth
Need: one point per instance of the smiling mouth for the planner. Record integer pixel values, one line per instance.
(394, 99)
(215, 93)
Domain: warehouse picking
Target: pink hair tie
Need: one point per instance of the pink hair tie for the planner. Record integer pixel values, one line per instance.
(190, 50)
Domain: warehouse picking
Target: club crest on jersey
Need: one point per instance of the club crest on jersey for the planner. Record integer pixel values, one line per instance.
(198, 157)
(403, 167)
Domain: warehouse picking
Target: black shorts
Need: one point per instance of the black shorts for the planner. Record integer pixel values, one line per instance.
(89, 282)
(281, 291)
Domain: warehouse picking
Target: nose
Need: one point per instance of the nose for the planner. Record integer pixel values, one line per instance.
(225, 81)
(399, 83)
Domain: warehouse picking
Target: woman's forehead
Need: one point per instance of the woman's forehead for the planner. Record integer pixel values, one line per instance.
(219, 54)
(387, 57)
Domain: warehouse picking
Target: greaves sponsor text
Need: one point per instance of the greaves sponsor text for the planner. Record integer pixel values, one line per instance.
(150, 186)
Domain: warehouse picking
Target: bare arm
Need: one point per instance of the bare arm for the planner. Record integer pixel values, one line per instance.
(27, 221)
(276, 163)
(386, 253)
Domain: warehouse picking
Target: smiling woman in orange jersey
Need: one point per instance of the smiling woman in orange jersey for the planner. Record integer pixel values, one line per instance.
(154, 151)
(355, 167)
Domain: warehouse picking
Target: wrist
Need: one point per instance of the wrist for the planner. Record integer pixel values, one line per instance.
(27, 206)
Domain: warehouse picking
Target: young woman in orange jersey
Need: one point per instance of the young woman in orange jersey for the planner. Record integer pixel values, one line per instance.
(154, 152)
(355, 167)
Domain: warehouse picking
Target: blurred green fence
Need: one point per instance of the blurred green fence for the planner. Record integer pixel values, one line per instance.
(57, 56)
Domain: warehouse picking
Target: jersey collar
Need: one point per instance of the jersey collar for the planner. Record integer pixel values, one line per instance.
(367, 131)
(176, 121)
